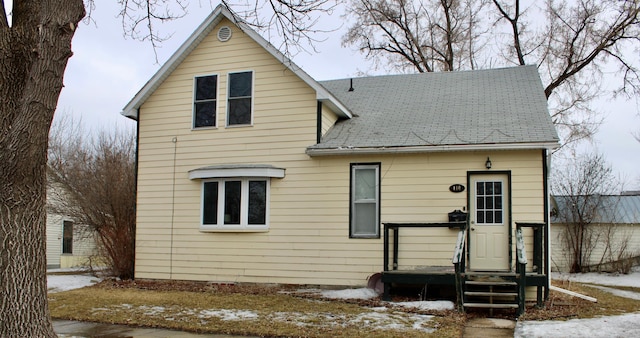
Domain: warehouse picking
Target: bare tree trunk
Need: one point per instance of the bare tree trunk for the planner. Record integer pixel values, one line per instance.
(33, 56)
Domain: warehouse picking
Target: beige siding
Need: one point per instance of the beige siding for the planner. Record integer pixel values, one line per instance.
(308, 238)
(610, 240)
(329, 118)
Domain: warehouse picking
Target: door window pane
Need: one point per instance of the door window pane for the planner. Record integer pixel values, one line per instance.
(489, 202)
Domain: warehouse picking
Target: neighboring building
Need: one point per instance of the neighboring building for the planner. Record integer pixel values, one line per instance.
(69, 245)
(614, 222)
(251, 171)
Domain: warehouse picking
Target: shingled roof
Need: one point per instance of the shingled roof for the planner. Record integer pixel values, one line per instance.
(486, 109)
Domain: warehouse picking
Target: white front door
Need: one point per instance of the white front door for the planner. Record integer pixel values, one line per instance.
(489, 222)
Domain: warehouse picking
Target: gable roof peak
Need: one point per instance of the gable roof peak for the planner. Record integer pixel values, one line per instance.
(217, 15)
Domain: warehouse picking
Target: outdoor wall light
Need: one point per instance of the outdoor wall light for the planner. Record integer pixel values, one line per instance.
(488, 163)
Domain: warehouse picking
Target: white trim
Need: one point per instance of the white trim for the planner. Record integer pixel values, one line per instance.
(428, 149)
(375, 201)
(236, 171)
(131, 109)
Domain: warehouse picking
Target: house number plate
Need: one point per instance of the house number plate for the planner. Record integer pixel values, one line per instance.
(456, 188)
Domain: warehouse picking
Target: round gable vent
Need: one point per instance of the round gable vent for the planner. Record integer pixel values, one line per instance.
(224, 33)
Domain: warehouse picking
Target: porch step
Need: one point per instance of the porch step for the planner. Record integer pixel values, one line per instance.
(490, 290)
(490, 306)
(491, 283)
(491, 294)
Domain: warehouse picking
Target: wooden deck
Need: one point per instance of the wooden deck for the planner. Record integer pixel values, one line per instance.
(456, 274)
(445, 275)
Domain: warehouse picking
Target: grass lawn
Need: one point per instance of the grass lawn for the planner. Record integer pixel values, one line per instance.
(282, 312)
(246, 310)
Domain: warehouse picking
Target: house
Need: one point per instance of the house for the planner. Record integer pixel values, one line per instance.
(69, 245)
(612, 242)
(249, 170)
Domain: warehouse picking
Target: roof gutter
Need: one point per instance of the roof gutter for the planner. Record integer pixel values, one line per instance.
(313, 152)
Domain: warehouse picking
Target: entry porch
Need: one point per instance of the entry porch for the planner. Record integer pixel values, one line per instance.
(474, 289)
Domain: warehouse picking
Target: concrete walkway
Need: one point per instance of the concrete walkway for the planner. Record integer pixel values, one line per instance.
(489, 327)
(69, 328)
(475, 328)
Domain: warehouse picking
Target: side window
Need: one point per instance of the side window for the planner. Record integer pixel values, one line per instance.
(204, 101)
(365, 201)
(239, 105)
(67, 237)
(235, 204)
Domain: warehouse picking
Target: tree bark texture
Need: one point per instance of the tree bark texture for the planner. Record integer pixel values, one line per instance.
(34, 51)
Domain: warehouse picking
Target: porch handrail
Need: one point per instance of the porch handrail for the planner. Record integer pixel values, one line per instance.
(458, 252)
(458, 264)
(521, 269)
(394, 242)
(521, 252)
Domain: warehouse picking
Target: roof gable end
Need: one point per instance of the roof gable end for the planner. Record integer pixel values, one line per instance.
(221, 12)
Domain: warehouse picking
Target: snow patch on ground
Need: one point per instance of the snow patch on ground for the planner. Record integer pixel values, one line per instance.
(59, 283)
(613, 326)
(362, 293)
(225, 314)
(436, 305)
(632, 279)
(617, 292)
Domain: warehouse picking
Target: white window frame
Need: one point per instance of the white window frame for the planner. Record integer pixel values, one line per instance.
(193, 102)
(352, 214)
(244, 206)
(253, 86)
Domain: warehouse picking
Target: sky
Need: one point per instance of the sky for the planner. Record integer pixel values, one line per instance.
(107, 69)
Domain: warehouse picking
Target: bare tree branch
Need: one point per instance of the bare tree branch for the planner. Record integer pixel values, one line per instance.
(106, 206)
(295, 23)
(427, 36)
(585, 192)
(140, 17)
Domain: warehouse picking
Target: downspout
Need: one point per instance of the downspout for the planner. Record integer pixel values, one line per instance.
(546, 167)
(135, 193)
(318, 122)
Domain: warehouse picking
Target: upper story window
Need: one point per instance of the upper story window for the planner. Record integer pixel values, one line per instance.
(239, 101)
(205, 101)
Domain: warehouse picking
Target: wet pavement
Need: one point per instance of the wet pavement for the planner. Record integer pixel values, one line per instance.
(69, 328)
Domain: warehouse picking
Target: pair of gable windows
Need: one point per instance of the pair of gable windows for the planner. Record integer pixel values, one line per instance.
(239, 100)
